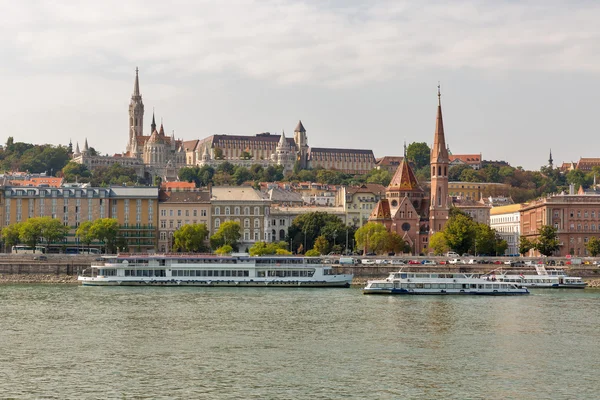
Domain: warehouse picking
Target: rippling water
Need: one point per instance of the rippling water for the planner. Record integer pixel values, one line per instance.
(63, 342)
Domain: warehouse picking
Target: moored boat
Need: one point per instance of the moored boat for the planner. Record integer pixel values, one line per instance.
(211, 270)
(418, 283)
(543, 279)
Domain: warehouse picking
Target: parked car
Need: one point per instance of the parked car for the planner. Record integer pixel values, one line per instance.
(455, 261)
(414, 262)
(40, 258)
(429, 262)
(452, 254)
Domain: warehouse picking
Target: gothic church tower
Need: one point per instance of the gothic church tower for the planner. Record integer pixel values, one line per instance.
(301, 144)
(136, 115)
(439, 208)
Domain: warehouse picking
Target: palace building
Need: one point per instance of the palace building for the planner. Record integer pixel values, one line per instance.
(162, 155)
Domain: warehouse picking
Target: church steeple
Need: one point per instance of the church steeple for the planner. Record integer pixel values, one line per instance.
(153, 124)
(439, 209)
(136, 113)
(550, 160)
(439, 151)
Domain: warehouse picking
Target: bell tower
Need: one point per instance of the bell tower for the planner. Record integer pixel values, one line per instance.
(439, 209)
(136, 114)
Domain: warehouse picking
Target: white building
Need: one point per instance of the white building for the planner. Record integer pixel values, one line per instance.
(506, 221)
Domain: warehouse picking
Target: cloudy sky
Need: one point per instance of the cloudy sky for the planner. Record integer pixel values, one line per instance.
(518, 77)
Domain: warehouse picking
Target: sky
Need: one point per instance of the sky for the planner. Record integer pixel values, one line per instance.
(518, 78)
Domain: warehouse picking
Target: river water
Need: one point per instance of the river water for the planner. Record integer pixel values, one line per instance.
(72, 342)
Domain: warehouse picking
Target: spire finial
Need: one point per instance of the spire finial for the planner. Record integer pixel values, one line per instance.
(439, 94)
(404, 149)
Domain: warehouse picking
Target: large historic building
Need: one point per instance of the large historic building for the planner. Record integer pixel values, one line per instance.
(160, 155)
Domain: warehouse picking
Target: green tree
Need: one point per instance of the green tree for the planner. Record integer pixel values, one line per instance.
(106, 230)
(547, 242)
(31, 232)
(84, 234)
(593, 246)
(191, 238)
(241, 175)
(501, 246)
(11, 234)
(218, 153)
(223, 250)
(312, 253)
(52, 229)
(305, 229)
(322, 245)
(455, 172)
(437, 243)
(485, 240)
(460, 233)
(418, 153)
(370, 236)
(227, 234)
(264, 248)
(525, 245)
(76, 172)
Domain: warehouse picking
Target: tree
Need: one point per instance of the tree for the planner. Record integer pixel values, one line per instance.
(501, 246)
(191, 238)
(305, 229)
(106, 230)
(312, 253)
(74, 171)
(11, 233)
(418, 154)
(84, 234)
(322, 245)
(241, 175)
(31, 232)
(227, 234)
(547, 242)
(369, 237)
(460, 233)
(438, 244)
(525, 245)
(52, 229)
(264, 248)
(223, 250)
(485, 240)
(593, 246)
(218, 153)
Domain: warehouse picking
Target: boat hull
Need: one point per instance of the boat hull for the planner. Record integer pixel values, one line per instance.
(341, 283)
(408, 292)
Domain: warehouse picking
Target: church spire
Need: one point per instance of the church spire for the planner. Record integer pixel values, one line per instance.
(439, 151)
(136, 85)
(153, 125)
(550, 160)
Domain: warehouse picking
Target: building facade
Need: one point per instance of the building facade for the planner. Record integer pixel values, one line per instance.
(134, 208)
(506, 220)
(178, 208)
(575, 216)
(245, 205)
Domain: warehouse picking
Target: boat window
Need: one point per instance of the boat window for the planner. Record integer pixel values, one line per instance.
(442, 286)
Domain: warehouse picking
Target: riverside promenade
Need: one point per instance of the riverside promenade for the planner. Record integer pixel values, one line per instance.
(63, 269)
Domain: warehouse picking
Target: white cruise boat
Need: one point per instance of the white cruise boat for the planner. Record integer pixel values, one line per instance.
(543, 279)
(212, 270)
(411, 283)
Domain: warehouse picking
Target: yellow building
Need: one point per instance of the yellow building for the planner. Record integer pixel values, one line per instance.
(135, 208)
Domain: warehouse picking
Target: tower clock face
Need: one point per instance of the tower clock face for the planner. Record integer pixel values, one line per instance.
(406, 227)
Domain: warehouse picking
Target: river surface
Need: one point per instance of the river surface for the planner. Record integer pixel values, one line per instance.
(72, 342)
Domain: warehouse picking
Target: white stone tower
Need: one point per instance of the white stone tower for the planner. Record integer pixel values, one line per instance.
(301, 144)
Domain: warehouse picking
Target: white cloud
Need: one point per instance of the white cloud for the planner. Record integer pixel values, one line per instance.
(304, 42)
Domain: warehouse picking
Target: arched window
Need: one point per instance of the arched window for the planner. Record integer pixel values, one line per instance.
(227, 211)
(236, 211)
(217, 222)
(246, 210)
(247, 223)
(439, 196)
(217, 210)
